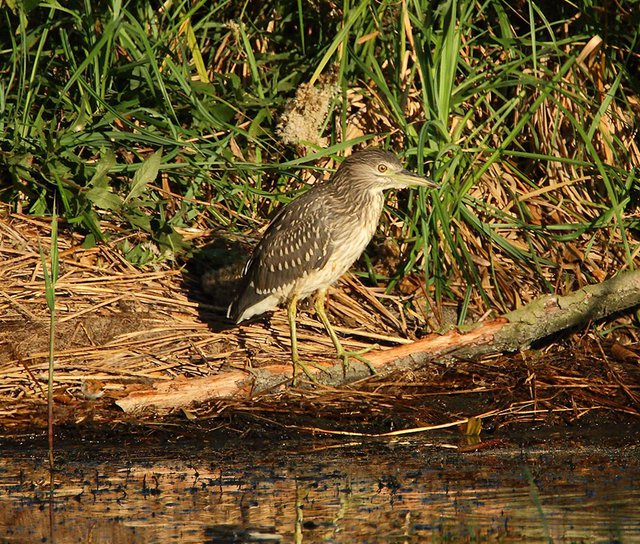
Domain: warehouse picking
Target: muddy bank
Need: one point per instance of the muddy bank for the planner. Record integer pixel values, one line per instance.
(119, 330)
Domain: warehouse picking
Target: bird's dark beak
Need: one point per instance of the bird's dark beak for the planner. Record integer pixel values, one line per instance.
(407, 178)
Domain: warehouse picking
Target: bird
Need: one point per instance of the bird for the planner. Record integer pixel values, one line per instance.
(312, 241)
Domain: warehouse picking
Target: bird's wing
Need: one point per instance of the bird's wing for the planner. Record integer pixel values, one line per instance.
(297, 242)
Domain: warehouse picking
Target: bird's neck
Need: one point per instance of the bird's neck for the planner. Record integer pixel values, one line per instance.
(361, 204)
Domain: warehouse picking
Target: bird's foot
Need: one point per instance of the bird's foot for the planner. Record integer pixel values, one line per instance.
(307, 371)
(345, 355)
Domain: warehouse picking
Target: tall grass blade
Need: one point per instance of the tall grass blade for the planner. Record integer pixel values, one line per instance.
(50, 279)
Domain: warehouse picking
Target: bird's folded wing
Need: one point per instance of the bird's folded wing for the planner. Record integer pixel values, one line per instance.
(296, 243)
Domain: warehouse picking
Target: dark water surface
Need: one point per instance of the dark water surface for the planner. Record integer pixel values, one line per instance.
(554, 487)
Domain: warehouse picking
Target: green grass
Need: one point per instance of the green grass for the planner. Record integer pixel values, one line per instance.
(50, 279)
(150, 120)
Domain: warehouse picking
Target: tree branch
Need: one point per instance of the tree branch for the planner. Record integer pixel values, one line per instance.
(514, 331)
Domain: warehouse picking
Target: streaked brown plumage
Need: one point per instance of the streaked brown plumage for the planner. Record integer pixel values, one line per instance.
(313, 240)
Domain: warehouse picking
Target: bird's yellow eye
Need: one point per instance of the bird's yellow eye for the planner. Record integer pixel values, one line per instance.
(382, 168)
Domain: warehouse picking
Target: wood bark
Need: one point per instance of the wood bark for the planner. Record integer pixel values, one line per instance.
(514, 331)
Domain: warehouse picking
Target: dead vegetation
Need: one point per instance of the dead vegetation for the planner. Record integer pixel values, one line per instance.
(534, 141)
(119, 329)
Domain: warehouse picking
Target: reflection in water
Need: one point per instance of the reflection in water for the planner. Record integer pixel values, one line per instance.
(375, 492)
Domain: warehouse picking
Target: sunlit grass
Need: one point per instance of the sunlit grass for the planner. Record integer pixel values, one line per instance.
(527, 123)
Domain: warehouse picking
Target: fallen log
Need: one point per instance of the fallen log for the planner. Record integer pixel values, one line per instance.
(514, 331)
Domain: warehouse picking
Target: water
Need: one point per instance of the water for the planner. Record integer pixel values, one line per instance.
(402, 491)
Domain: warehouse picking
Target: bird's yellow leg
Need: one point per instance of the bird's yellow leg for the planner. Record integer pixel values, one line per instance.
(292, 312)
(343, 354)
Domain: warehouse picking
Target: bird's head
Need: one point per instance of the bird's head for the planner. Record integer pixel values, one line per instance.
(378, 170)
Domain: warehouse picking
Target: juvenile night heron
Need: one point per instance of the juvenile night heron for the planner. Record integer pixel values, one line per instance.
(313, 240)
